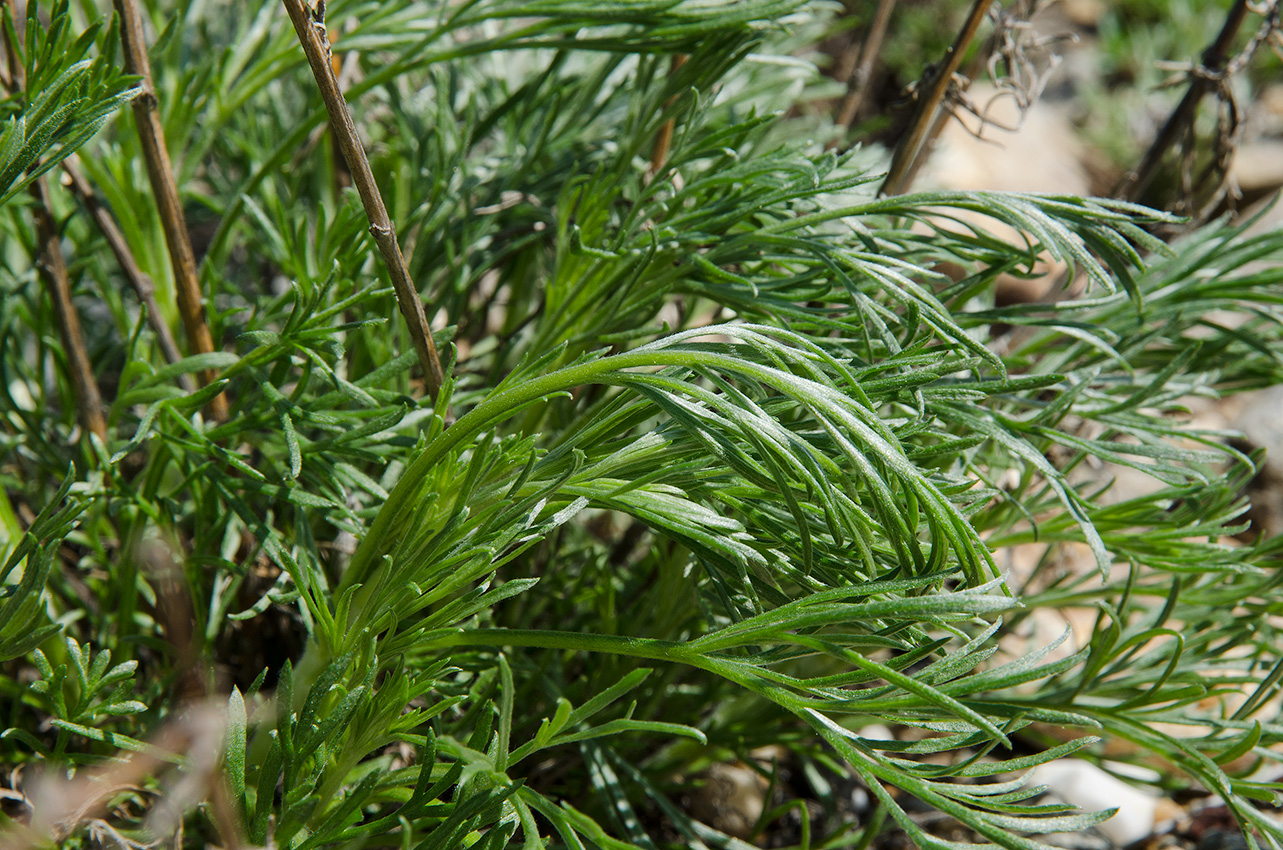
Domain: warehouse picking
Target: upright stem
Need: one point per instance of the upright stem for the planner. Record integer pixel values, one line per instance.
(858, 83)
(942, 117)
(929, 103)
(1214, 58)
(54, 270)
(137, 278)
(161, 176)
(664, 138)
(310, 31)
(342, 176)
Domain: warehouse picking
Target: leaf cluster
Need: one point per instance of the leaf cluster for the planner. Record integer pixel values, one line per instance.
(725, 458)
(59, 96)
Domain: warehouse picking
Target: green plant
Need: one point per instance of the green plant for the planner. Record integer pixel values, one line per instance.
(66, 96)
(720, 461)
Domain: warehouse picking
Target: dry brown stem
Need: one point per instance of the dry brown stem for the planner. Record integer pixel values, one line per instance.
(857, 85)
(173, 613)
(160, 174)
(314, 39)
(1028, 63)
(138, 279)
(53, 269)
(194, 736)
(142, 285)
(906, 153)
(342, 177)
(941, 120)
(1181, 121)
(664, 138)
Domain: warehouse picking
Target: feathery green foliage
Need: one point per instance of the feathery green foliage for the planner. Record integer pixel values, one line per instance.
(722, 462)
(57, 98)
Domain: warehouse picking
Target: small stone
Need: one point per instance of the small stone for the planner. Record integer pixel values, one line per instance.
(1258, 167)
(730, 798)
(1261, 422)
(1082, 784)
(1083, 13)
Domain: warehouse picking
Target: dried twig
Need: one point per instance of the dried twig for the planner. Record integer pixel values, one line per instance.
(310, 27)
(929, 103)
(161, 176)
(664, 138)
(74, 180)
(173, 613)
(53, 268)
(138, 279)
(1214, 62)
(857, 85)
(342, 71)
(192, 737)
(1013, 47)
(957, 90)
(1021, 61)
